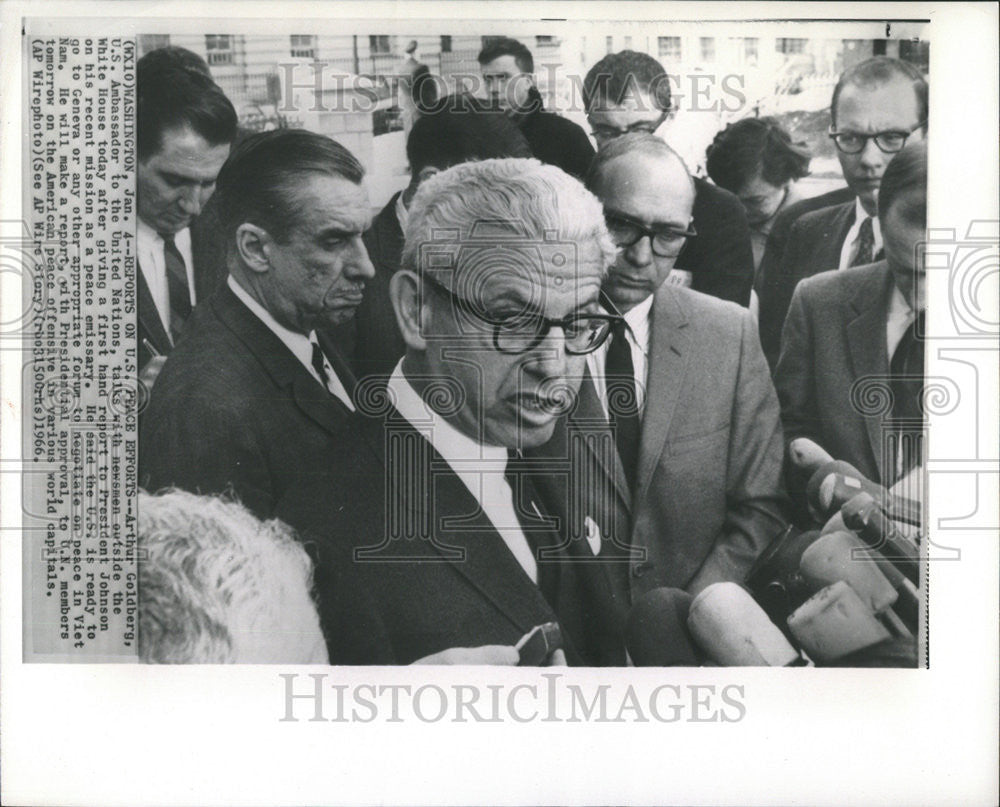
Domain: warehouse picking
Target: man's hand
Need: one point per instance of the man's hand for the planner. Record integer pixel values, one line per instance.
(496, 654)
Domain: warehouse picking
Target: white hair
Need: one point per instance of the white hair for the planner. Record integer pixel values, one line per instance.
(532, 200)
(217, 585)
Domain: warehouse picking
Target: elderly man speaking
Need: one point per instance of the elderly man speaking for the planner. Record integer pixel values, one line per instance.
(429, 504)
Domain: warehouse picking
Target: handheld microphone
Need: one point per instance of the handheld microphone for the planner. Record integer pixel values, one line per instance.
(863, 515)
(656, 633)
(807, 455)
(835, 623)
(734, 632)
(835, 483)
(832, 557)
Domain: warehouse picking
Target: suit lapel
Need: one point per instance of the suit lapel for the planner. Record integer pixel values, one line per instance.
(668, 360)
(841, 222)
(283, 367)
(460, 532)
(150, 324)
(866, 343)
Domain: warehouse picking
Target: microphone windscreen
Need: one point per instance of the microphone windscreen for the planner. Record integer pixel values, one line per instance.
(656, 632)
(807, 455)
(735, 632)
(842, 556)
(834, 623)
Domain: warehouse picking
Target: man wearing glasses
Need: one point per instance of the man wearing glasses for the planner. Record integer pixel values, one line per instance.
(629, 92)
(430, 505)
(878, 106)
(692, 492)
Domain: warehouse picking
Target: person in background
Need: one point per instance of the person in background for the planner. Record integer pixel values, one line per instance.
(629, 92)
(217, 586)
(755, 159)
(254, 399)
(508, 70)
(461, 130)
(185, 127)
(877, 107)
(852, 333)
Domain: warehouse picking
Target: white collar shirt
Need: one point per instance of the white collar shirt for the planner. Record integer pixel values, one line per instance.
(480, 467)
(850, 246)
(638, 320)
(153, 265)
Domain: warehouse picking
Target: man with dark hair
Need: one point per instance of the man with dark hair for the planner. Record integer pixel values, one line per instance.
(509, 73)
(852, 336)
(185, 126)
(254, 397)
(877, 106)
(691, 491)
(461, 130)
(629, 92)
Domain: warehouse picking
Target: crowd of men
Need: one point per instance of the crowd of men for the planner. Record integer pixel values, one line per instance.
(530, 390)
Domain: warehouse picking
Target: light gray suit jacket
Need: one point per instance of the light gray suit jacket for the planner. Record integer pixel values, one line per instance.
(832, 374)
(709, 495)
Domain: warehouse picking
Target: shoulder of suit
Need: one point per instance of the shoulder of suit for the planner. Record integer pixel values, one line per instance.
(823, 216)
(841, 283)
(702, 311)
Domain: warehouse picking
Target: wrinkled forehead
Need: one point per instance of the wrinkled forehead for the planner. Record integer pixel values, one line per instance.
(497, 263)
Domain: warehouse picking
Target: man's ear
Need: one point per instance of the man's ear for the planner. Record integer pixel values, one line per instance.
(253, 245)
(412, 310)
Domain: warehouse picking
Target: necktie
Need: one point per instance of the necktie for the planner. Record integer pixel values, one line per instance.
(529, 515)
(177, 286)
(319, 364)
(865, 251)
(906, 374)
(623, 403)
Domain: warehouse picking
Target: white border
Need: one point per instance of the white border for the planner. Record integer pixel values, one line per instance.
(139, 735)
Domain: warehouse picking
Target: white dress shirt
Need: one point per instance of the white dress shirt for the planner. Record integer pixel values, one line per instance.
(898, 319)
(480, 467)
(153, 265)
(637, 335)
(301, 346)
(850, 247)
(402, 214)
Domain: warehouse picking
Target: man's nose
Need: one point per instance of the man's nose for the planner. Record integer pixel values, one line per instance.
(192, 199)
(359, 265)
(641, 252)
(548, 359)
(871, 154)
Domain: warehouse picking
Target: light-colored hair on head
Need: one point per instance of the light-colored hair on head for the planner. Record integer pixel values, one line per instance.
(213, 577)
(642, 143)
(529, 198)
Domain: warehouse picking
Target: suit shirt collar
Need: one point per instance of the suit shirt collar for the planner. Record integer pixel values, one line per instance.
(300, 345)
(847, 249)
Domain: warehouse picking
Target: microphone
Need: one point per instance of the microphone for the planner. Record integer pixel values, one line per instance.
(656, 633)
(840, 556)
(863, 515)
(734, 632)
(774, 579)
(807, 455)
(835, 483)
(835, 623)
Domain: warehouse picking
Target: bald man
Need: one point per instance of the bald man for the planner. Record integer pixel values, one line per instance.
(687, 491)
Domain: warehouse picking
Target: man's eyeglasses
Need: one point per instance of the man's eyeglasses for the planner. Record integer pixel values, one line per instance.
(605, 133)
(665, 241)
(888, 142)
(524, 331)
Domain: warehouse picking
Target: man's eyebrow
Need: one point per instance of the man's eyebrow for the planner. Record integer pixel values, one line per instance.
(170, 176)
(339, 232)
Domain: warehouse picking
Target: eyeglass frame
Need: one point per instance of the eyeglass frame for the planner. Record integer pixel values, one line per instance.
(643, 127)
(466, 306)
(646, 232)
(833, 135)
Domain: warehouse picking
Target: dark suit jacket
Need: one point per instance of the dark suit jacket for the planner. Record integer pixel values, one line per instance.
(557, 141)
(437, 572)
(208, 255)
(814, 245)
(835, 336)
(720, 258)
(233, 408)
(378, 343)
(708, 494)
